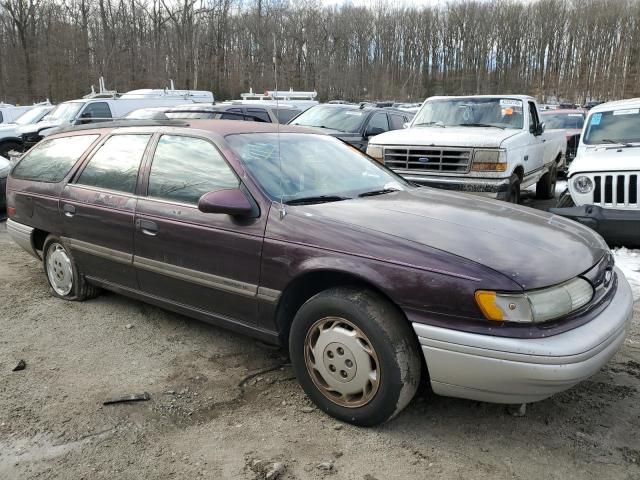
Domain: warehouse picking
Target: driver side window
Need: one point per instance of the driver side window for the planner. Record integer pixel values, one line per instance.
(185, 168)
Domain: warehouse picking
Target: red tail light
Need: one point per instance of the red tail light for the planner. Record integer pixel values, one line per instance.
(11, 211)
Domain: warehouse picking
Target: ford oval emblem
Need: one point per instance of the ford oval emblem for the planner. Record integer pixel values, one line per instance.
(423, 159)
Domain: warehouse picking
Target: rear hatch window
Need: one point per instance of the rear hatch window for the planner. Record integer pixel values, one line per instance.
(51, 160)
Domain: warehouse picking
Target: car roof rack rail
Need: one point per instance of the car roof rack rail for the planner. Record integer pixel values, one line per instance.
(125, 123)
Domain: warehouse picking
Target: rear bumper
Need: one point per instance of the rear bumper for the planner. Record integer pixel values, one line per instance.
(616, 226)
(494, 188)
(23, 236)
(510, 370)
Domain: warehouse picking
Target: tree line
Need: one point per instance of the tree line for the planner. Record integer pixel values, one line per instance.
(571, 49)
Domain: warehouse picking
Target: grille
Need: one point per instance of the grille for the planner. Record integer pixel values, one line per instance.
(617, 190)
(419, 159)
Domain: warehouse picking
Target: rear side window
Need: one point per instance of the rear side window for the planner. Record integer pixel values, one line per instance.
(115, 165)
(51, 160)
(185, 168)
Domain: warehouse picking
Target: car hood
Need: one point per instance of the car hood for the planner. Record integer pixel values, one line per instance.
(8, 129)
(36, 127)
(448, 136)
(606, 159)
(533, 248)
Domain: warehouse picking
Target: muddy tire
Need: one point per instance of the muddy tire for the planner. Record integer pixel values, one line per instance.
(65, 279)
(513, 194)
(546, 186)
(355, 355)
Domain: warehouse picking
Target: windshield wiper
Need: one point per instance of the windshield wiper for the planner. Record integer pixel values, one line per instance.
(316, 199)
(429, 124)
(619, 142)
(378, 192)
(479, 125)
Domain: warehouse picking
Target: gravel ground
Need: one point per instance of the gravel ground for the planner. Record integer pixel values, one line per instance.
(223, 406)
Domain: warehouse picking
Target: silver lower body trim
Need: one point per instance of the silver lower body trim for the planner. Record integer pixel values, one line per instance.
(23, 236)
(99, 251)
(511, 370)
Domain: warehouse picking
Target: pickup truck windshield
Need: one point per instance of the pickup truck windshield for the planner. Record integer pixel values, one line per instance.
(471, 112)
(336, 118)
(616, 126)
(65, 111)
(31, 116)
(315, 168)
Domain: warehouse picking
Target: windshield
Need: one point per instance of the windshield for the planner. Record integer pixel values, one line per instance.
(617, 126)
(472, 112)
(563, 121)
(31, 116)
(65, 111)
(310, 166)
(346, 120)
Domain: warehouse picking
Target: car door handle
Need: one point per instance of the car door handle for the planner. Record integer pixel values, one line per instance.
(147, 227)
(69, 210)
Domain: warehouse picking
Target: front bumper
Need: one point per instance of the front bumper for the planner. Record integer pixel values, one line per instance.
(513, 370)
(493, 188)
(616, 226)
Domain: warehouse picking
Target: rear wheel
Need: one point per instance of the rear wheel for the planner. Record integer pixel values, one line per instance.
(355, 355)
(546, 186)
(64, 278)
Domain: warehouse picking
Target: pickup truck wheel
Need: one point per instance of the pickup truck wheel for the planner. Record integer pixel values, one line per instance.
(513, 195)
(546, 186)
(355, 355)
(64, 278)
(6, 147)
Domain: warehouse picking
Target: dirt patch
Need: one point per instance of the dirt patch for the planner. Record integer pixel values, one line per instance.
(224, 406)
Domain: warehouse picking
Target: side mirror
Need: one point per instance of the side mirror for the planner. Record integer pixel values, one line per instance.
(541, 128)
(231, 201)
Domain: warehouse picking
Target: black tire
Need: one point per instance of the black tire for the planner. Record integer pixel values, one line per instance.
(391, 339)
(80, 289)
(565, 200)
(6, 147)
(513, 195)
(546, 186)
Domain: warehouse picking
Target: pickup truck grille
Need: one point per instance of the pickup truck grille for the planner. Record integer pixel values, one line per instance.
(425, 159)
(616, 190)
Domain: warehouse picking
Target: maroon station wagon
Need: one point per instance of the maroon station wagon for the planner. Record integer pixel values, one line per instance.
(297, 239)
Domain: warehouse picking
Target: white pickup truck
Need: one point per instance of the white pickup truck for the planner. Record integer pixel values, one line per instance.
(493, 145)
(604, 178)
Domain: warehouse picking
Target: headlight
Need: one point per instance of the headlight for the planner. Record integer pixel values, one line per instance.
(375, 151)
(583, 184)
(535, 306)
(489, 160)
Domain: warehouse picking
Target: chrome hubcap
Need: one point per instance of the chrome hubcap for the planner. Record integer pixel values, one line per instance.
(59, 269)
(342, 362)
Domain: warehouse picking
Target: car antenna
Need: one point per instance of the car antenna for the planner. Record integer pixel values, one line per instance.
(282, 210)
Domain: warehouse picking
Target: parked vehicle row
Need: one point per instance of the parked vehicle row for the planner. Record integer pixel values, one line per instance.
(10, 113)
(604, 179)
(489, 145)
(10, 133)
(260, 228)
(570, 122)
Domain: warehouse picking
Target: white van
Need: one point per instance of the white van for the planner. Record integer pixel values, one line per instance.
(105, 106)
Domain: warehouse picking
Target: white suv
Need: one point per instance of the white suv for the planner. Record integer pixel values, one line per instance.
(604, 179)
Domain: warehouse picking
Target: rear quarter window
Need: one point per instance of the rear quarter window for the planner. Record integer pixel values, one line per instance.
(51, 160)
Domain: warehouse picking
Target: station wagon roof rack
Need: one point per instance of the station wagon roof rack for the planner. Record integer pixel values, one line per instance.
(125, 123)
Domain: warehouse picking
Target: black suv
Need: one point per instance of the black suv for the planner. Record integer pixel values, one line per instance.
(352, 123)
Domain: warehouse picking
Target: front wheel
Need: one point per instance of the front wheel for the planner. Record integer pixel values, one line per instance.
(546, 186)
(64, 277)
(513, 195)
(6, 147)
(355, 355)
